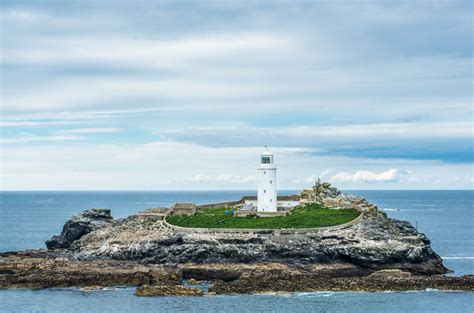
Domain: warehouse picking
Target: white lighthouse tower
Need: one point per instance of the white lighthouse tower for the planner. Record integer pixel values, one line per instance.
(267, 192)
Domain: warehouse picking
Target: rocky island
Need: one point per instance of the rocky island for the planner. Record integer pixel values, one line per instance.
(371, 252)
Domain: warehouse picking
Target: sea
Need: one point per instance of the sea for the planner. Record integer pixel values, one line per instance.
(27, 219)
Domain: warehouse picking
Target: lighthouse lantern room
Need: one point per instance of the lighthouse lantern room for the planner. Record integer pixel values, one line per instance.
(267, 192)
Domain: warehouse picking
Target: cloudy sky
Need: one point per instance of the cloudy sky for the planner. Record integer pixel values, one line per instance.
(184, 94)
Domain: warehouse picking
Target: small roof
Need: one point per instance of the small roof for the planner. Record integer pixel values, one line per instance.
(266, 152)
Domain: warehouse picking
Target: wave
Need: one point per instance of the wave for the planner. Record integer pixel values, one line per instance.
(412, 210)
(315, 294)
(457, 257)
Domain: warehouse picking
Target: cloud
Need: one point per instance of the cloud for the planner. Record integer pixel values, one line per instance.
(217, 179)
(218, 80)
(300, 134)
(96, 130)
(198, 178)
(450, 142)
(143, 52)
(313, 178)
(33, 138)
(363, 176)
(236, 179)
(30, 123)
(182, 166)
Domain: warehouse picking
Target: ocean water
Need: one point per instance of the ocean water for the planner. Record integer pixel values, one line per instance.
(27, 219)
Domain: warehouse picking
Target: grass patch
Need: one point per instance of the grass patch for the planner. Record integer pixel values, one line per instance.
(307, 216)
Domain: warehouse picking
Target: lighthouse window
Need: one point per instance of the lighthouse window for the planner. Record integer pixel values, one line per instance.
(264, 191)
(266, 159)
(271, 200)
(270, 182)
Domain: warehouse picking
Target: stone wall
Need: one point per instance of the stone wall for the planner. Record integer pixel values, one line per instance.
(218, 205)
(261, 231)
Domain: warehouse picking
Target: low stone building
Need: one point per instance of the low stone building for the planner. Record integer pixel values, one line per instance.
(184, 208)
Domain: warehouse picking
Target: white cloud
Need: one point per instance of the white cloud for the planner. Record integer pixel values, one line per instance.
(141, 52)
(33, 138)
(29, 123)
(198, 178)
(236, 179)
(181, 166)
(364, 176)
(93, 130)
(302, 134)
(258, 65)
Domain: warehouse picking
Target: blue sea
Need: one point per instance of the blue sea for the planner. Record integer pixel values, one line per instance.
(27, 219)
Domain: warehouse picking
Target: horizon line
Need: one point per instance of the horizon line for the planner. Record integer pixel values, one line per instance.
(189, 190)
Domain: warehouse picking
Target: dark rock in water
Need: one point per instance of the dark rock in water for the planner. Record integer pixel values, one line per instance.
(80, 225)
(167, 290)
(38, 269)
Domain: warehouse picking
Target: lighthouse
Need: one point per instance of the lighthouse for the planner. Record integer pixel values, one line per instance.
(267, 192)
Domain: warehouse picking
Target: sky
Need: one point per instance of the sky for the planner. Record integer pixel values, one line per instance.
(165, 95)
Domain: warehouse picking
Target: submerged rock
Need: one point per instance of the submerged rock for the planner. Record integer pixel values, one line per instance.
(80, 225)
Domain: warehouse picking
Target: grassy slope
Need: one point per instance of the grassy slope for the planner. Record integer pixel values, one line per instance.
(301, 217)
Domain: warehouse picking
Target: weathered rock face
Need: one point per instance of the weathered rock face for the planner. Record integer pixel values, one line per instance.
(264, 279)
(79, 226)
(39, 269)
(375, 242)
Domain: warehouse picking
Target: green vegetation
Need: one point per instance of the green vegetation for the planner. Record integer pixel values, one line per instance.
(307, 216)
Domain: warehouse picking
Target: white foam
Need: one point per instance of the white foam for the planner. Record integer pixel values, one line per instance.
(390, 209)
(458, 257)
(315, 294)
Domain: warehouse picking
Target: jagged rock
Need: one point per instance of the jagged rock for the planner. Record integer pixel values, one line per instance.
(80, 225)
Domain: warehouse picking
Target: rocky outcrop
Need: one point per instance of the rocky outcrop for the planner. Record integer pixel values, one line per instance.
(40, 269)
(319, 192)
(375, 242)
(309, 279)
(50, 269)
(167, 290)
(80, 225)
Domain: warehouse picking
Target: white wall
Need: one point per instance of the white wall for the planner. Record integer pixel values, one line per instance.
(267, 192)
